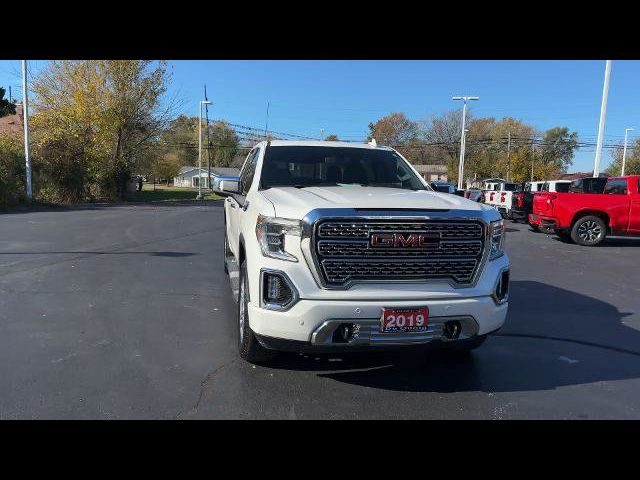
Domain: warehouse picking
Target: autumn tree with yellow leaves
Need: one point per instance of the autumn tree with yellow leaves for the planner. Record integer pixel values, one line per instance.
(94, 121)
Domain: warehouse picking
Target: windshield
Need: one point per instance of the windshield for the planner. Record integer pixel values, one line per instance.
(510, 187)
(310, 166)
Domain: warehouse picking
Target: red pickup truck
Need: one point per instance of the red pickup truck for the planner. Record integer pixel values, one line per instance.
(587, 218)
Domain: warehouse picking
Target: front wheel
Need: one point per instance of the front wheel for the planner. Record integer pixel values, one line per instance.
(225, 251)
(589, 231)
(249, 347)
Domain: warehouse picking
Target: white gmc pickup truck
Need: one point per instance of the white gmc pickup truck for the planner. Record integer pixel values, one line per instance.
(334, 246)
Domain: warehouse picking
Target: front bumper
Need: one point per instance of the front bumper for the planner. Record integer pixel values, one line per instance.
(313, 321)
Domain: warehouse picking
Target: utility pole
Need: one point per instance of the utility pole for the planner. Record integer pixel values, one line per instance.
(462, 137)
(322, 134)
(533, 156)
(603, 114)
(25, 114)
(206, 113)
(266, 123)
(202, 102)
(10, 99)
(624, 152)
(509, 157)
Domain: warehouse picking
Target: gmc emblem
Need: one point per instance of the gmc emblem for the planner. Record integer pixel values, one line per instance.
(404, 240)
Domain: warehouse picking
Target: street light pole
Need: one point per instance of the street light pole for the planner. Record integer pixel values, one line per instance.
(463, 137)
(603, 114)
(624, 152)
(202, 102)
(25, 115)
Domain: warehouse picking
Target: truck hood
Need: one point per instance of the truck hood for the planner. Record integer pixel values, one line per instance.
(291, 202)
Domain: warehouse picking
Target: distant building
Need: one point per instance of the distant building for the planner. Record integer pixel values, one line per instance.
(432, 173)
(189, 176)
(13, 124)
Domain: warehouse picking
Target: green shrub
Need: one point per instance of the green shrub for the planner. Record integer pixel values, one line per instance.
(12, 170)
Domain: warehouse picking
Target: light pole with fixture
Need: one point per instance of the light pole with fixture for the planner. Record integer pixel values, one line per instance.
(25, 116)
(603, 115)
(462, 137)
(202, 102)
(624, 152)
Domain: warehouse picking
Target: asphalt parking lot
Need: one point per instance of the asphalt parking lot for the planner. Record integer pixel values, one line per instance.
(124, 312)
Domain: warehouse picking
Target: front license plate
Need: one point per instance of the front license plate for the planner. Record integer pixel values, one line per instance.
(404, 319)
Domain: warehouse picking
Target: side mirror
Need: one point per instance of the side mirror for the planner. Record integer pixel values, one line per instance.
(230, 186)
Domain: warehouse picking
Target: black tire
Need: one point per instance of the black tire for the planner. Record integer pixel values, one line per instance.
(249, 347)
(225, 251)
(534, 228)
(589, 231)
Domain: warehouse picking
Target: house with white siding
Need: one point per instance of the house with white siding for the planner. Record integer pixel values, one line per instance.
(192, 176)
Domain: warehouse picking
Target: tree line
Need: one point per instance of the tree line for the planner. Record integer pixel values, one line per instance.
(494, 148)
(96, 123)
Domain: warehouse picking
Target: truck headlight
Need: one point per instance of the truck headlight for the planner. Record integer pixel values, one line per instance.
(497, 233)
(271, 232)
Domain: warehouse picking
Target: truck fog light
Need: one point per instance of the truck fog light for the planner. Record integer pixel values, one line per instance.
(278, 293)
(501, 293)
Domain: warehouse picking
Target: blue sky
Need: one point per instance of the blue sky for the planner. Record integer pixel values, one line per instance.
(342, 97)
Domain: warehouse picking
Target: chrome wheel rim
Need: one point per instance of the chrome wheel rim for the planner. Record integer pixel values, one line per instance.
(243, 310)
(589, 231)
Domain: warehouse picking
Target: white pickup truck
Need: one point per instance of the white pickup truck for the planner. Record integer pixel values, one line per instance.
(334, 246)
(500, 196)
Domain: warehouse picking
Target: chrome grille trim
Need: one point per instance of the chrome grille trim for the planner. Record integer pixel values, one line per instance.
(339, 271)
(471, 224)
(340, 248)
(361, 230)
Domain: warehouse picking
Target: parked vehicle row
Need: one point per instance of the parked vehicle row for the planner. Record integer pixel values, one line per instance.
(584, 211)
(523, 201)
(587, 218)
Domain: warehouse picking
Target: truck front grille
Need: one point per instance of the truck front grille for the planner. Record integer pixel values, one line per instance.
(346, 251)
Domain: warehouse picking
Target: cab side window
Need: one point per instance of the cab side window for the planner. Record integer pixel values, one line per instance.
(248, 171)
(616, 187)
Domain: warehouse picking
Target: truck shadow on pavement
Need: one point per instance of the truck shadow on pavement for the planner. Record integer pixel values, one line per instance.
(552, 338)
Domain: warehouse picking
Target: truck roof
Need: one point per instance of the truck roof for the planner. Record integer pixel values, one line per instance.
(322, 143)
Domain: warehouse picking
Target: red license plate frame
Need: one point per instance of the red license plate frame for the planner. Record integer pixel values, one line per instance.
(404, 319)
